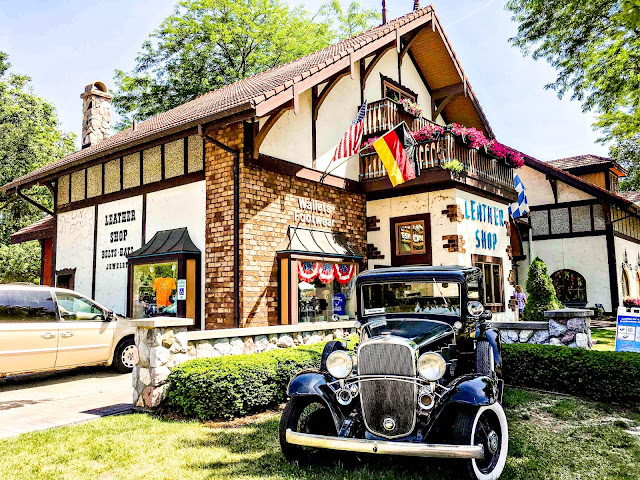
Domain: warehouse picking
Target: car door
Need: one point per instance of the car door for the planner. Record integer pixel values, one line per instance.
(85, 333)
(28, 329)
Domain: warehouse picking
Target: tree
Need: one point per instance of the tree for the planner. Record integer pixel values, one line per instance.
(595, 46)
(541, 293)
(206, 44)
(30, 137)
(627, 154)
(355, 19)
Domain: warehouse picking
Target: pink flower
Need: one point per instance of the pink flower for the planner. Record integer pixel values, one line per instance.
(427, 133)
(369, 142)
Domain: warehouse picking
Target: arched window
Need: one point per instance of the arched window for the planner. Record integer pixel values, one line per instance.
(571, 288)
(626, 284)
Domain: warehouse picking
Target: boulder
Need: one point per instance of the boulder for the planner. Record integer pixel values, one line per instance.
(525, 335)
(328, 338)
(338, 333)
(556, 341)
(556, 329)
(582, 340)
(136, 356)
(509, 336)
(153, 337)
(249, 346)
(314, 339)
(177, 359)
(285, 341)
(144, 376)
(261, 342)
(576, 324)
(158, 356)
(237, 346)
(167, 338)
(568, 337)
(191, 351)
(205, 350)
(223, 346)
(270, 346)
(182, 341)
(152, 396)
(159, 375)
(143, 354)
(540, 337)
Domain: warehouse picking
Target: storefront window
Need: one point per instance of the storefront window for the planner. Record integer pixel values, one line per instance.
(571, 287)
(154, 290)
(325, 291)
(491, 268)
(410, 237)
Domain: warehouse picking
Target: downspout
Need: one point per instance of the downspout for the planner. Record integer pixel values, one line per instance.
(236, 220)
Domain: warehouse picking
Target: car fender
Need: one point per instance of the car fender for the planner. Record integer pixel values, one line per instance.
(478, 390)
(493, 337)
(314, 384)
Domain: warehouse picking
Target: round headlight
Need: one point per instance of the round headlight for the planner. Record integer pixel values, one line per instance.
(431, 366)
(339, 364)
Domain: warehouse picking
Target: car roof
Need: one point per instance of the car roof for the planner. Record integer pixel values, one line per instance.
(416, 272)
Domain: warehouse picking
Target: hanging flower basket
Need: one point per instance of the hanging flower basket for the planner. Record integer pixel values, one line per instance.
(428, 133)
(412, 109)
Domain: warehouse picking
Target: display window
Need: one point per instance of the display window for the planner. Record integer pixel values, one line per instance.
(493, 279)
(411, 240)
(154, 290)
(325, 291)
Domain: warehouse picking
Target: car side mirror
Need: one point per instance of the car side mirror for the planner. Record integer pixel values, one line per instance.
(110, 316)
(486, 316)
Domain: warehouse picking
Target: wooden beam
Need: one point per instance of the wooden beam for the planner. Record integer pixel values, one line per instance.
(443, 104)
(351, 66)
(398, 41)
(314, 148)
(444, 92)
(372, 64)
(268, 125)
(333, 81)
(296, 98)
(406, 46)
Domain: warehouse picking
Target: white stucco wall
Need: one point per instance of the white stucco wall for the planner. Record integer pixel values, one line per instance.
(567, 193)
(387, 66)
(178, 207)
(117, 237)
(434, 203)
(290, 138)
(74, 246)
(539, 190)
(411, 79)
(585, 255)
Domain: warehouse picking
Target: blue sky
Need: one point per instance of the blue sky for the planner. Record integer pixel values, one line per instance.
(65, 44)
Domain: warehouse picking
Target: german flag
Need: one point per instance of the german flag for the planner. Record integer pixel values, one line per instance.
(396, 150)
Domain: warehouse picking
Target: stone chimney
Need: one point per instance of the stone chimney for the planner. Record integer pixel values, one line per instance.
(384, 12)
(96, 114)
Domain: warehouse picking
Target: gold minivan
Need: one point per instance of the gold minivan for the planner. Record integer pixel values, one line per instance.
(45, 328)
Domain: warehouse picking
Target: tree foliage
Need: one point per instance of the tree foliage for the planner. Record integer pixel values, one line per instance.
(595, 47)
(350, 21)
(541, 293)
(30, 137)
(627, 153)
(206, 44)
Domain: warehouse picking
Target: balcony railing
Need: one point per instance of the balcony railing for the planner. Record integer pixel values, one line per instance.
(384, 114)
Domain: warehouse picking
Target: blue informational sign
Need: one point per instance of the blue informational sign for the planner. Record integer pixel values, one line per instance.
(628, 332)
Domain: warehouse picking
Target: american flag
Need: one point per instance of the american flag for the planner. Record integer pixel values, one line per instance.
(350, 143)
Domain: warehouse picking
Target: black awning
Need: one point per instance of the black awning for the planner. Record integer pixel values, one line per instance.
(317, 242)
(167, 242)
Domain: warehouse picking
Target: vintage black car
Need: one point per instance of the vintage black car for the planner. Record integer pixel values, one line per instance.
(424, 379)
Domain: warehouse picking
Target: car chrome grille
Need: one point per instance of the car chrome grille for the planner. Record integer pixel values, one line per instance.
(387, 398)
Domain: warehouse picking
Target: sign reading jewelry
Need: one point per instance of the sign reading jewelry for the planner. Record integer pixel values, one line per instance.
(314, 213)
(119, 232)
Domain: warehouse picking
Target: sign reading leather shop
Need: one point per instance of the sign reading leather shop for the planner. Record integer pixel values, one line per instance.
(314, 213)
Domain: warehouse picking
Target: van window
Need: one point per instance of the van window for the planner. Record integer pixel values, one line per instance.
(74, 307)
(26, 306)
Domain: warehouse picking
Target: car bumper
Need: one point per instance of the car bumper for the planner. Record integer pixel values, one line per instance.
(384, 448)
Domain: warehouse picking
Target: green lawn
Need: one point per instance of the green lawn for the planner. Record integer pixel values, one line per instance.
(550, 438)
(606, 339)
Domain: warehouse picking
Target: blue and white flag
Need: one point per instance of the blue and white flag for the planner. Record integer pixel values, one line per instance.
(519, 208)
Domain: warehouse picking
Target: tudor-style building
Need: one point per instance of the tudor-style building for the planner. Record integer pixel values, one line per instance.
(583, 228)
(218, 209)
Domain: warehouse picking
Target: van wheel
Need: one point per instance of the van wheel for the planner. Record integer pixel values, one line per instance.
(123, 356)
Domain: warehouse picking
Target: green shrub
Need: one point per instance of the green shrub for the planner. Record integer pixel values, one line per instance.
(233, 386)
(602, 376)
(541, 293)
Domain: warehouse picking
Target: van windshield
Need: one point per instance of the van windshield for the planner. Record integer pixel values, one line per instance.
(429, 297)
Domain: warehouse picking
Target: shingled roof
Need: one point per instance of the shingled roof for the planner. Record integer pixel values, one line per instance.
(584, 161)
(43, 228)
(260, 94)
(632, 196)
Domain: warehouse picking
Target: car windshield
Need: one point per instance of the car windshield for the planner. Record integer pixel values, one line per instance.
(430, 297)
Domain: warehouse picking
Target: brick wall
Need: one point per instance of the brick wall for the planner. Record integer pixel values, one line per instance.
(267, 204)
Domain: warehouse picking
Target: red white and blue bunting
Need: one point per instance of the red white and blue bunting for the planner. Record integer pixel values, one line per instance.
(344, 272)
(326, 274)
(308, 271)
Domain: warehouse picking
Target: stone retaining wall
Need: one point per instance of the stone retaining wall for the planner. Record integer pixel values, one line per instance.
(569, 327)
(164, 343)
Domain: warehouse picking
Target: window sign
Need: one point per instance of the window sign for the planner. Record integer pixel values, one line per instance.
(182, 289)
(628, 331)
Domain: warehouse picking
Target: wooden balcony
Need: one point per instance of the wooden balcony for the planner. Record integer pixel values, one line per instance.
(481, 170)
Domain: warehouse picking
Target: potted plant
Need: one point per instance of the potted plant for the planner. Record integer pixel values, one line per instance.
(428, 133)
(410, 108)
(456, 167)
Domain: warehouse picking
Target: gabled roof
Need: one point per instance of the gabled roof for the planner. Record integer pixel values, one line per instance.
(43, 228)
(261, 94)
(582, 163)
(577, 182)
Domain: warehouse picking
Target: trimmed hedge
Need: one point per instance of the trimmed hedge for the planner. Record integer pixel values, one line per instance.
(601, 376)
(234, 386)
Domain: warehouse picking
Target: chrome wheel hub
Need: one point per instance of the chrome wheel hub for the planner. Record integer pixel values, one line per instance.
(493, 441)
(127, 356)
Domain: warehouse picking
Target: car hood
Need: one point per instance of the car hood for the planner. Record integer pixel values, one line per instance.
(419, 332)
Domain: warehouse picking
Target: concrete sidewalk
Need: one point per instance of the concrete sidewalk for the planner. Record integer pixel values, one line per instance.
(40, 401)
